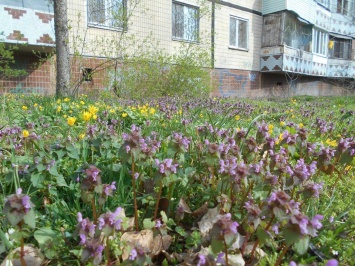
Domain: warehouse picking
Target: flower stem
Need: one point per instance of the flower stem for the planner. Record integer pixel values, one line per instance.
(225, 250)
(158, 199)
(22, 252)
(285, 249)
(134, 196)
(93, 207)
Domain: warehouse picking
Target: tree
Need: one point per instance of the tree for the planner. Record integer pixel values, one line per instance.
(62, 48)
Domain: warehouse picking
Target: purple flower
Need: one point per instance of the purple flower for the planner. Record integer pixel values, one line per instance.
(201, 260)
(133, 254)
(315, 221)
(292, 263)
(220, 258)
(109, 222)
(332, 262)
(275, 228)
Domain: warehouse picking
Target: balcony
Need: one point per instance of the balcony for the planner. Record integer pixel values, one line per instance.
(341, 68)
(288, 59)
(24, 25)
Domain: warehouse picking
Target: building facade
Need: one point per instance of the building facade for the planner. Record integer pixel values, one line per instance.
(257, 47)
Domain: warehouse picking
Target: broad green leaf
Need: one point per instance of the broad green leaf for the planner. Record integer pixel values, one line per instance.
(262, 235)
(30, 218)
(301, 245)
(42, 235)
(148, 223)
(37, 179)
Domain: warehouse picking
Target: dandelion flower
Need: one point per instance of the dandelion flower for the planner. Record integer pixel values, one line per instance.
(71, 121)
(124, 115)
(24, 108)
(237, 117)
(87, 116)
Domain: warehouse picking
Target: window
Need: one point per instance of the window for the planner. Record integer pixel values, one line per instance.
(325, 3)
(320, 42)
(185, 25)
(341, 48)
(107, 13)
(345, 7)
(238, 33)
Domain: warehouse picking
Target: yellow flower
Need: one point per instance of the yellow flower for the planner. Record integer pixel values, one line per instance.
(282, 123)
(124, 115)
(201, 115)
(237, 117)
(332, 143)
(66, 99)
(35, 105)
(87, 116)
(59, 108)
(82, 102)
(301, 125)
(293, 116)
(25, 133)
(71, 121)
(81, 136)
(152, 111)
(93, 109)
(94, 117)
(24, 107)
(65, 116)
(271, 127)
(41, 108)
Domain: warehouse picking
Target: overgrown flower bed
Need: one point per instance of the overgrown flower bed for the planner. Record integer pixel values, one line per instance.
(177, 182)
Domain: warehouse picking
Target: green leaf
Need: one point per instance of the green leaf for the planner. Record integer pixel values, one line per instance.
(30, 218)
(216, 245)
(37, 179)
(262, 235)
(164, 217)
(280, 214)
(291, 233)
(42, 235)
(116, 167)
(148, 223)
(61, 181)
(301, 245)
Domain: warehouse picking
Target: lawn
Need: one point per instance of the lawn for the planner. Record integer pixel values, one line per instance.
(173, 181)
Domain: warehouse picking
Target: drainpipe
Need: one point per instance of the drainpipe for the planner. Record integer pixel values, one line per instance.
(213, 31)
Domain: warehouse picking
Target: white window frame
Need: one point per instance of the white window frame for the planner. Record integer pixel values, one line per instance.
(108, 20)
(345, 7)
(319, 42)
(189, 32)
(235, 45)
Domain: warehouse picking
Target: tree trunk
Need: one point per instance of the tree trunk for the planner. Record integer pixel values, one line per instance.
(62, 48)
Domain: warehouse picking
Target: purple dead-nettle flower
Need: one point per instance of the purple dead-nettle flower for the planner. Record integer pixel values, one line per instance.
(311, 147)
(181, 142)
(92, 249)
(166, 167)
(231, 142)
(301, 220)
(312, 189)
(240, 134)
(85, 226)
(109, 222)
(242, 170)
(292, 263)
(253, 210)
(252, 145)
(16, 207)
(201, 260)
(227, 225)
(220, 258)
(290, 139)
(343, 145)
(92, 172)
(262, 128)
(133, 254)
(228, 166)
(256, 168)
(109, 189)
(275, 228)
(158, 224)
(279, 198)
(325, 156)
(271, 179)
(223, 149)
(301, 171)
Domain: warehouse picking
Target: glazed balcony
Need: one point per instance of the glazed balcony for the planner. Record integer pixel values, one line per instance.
(31, 24)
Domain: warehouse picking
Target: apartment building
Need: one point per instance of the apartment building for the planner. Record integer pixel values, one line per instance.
(257, 47)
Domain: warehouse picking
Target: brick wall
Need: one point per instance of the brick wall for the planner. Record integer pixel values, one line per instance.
(40, 76)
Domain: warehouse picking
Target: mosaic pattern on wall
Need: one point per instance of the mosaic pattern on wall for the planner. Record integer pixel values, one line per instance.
(26, 25)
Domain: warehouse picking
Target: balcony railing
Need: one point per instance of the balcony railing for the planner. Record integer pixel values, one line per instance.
(28, 26)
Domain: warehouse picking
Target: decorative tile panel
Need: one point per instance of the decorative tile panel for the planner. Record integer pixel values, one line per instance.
(25, 25)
